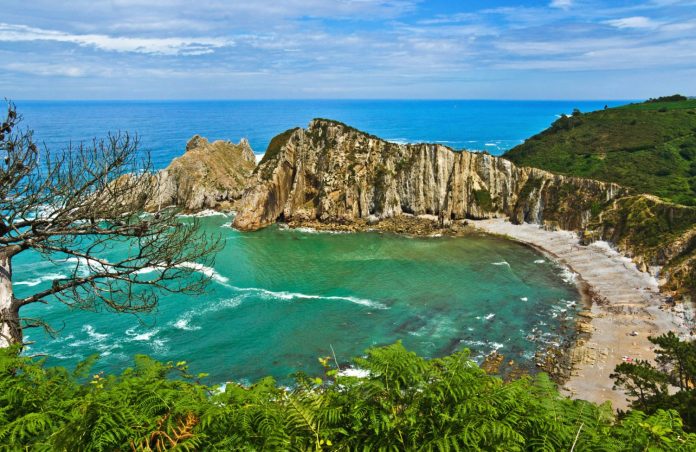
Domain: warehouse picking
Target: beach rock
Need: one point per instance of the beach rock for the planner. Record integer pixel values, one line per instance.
(208, 176)
(335, 174)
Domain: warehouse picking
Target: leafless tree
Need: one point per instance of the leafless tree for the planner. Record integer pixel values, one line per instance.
(83, 207)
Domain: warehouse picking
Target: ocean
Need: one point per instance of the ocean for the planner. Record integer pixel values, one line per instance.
(165, 127)
(280, 298)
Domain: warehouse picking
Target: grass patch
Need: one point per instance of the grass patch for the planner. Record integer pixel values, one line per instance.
(649, 147)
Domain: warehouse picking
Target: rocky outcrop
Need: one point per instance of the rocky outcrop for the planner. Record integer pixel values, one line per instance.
(208, 176)
(333, 173)
(659, 235)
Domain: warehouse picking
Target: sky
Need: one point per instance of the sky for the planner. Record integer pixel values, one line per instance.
(335, 49)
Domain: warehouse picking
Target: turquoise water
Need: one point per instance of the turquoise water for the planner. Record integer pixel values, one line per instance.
(281, 298)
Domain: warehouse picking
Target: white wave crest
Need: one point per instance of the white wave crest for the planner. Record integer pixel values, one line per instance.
(159, 346)
(184, 322)
(86, 266)
(207, 271)
(41, 279)
(308, 230)
(568, 275)
(354, 372)
(283, 295)
(203, 214)
(92, 333)
(502, 263)
(492, 346)
(146, 336)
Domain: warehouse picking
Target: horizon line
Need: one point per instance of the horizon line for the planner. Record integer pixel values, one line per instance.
(360, 99)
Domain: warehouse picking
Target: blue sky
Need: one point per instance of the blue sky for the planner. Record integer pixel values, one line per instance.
(216, 49)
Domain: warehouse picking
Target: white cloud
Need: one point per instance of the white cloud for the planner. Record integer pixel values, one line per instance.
(161, 46)
(48, 70)
(633, 22)
(561, 4)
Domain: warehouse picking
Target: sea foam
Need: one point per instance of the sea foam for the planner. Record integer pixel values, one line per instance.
(289, 296)
(207, 271)
(41, 279)
(204, 214)
(184, 321)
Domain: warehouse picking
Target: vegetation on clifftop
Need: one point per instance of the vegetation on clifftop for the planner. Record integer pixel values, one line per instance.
(276, 145)
(649, 147)
(404, 403)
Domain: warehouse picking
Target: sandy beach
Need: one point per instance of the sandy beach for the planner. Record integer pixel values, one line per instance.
(627, 307)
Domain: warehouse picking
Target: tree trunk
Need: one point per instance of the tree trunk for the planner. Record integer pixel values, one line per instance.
(10, 328)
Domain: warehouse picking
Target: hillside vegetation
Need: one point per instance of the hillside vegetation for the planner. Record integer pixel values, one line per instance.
(649, 147)
(404, 403)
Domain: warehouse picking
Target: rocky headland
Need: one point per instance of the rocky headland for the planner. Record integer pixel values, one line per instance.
(207, 176)
(335, 174)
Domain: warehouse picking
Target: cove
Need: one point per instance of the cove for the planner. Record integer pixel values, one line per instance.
(280, 298)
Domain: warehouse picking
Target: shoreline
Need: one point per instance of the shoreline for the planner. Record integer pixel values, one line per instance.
(622, 306)
(626, 307)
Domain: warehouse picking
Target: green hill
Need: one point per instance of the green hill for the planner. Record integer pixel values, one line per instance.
(649, 146)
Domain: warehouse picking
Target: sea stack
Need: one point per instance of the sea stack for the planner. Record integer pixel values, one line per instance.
(207, 176)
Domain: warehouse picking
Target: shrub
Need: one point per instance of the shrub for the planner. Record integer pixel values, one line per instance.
(404, 403)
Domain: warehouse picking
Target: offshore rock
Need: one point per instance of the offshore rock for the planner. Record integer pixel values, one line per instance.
(333, 173)
(207, 176)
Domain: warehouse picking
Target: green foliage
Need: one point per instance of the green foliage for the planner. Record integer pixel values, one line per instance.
(647, 384)
(672, 98)
(648, 147)
(404, 403)
(640, 380)
(483, 199)
(646, 222)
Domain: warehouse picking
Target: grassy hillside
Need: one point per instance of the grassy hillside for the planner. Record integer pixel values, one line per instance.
(649, 146)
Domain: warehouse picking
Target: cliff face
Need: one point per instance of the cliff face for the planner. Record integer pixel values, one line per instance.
(207, 176)
(335, 174)
(653, 232)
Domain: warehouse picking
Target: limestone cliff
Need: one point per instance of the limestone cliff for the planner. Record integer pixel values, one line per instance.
(333, 173)
(207, 176)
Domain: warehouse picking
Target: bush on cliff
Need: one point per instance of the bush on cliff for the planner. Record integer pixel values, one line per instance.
(645, 146)
(405, 403)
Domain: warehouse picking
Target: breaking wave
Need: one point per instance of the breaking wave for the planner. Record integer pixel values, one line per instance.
(289, 296)
(41, 279)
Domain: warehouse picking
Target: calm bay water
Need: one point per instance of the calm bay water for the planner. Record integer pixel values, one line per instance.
(282, 298)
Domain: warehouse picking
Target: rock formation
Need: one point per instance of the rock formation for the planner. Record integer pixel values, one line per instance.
(657, 234)
(207, 176)
(333, 173)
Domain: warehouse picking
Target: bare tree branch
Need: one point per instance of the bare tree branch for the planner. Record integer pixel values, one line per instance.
(85, 205)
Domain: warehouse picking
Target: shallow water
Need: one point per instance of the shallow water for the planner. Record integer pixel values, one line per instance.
(281, 298)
